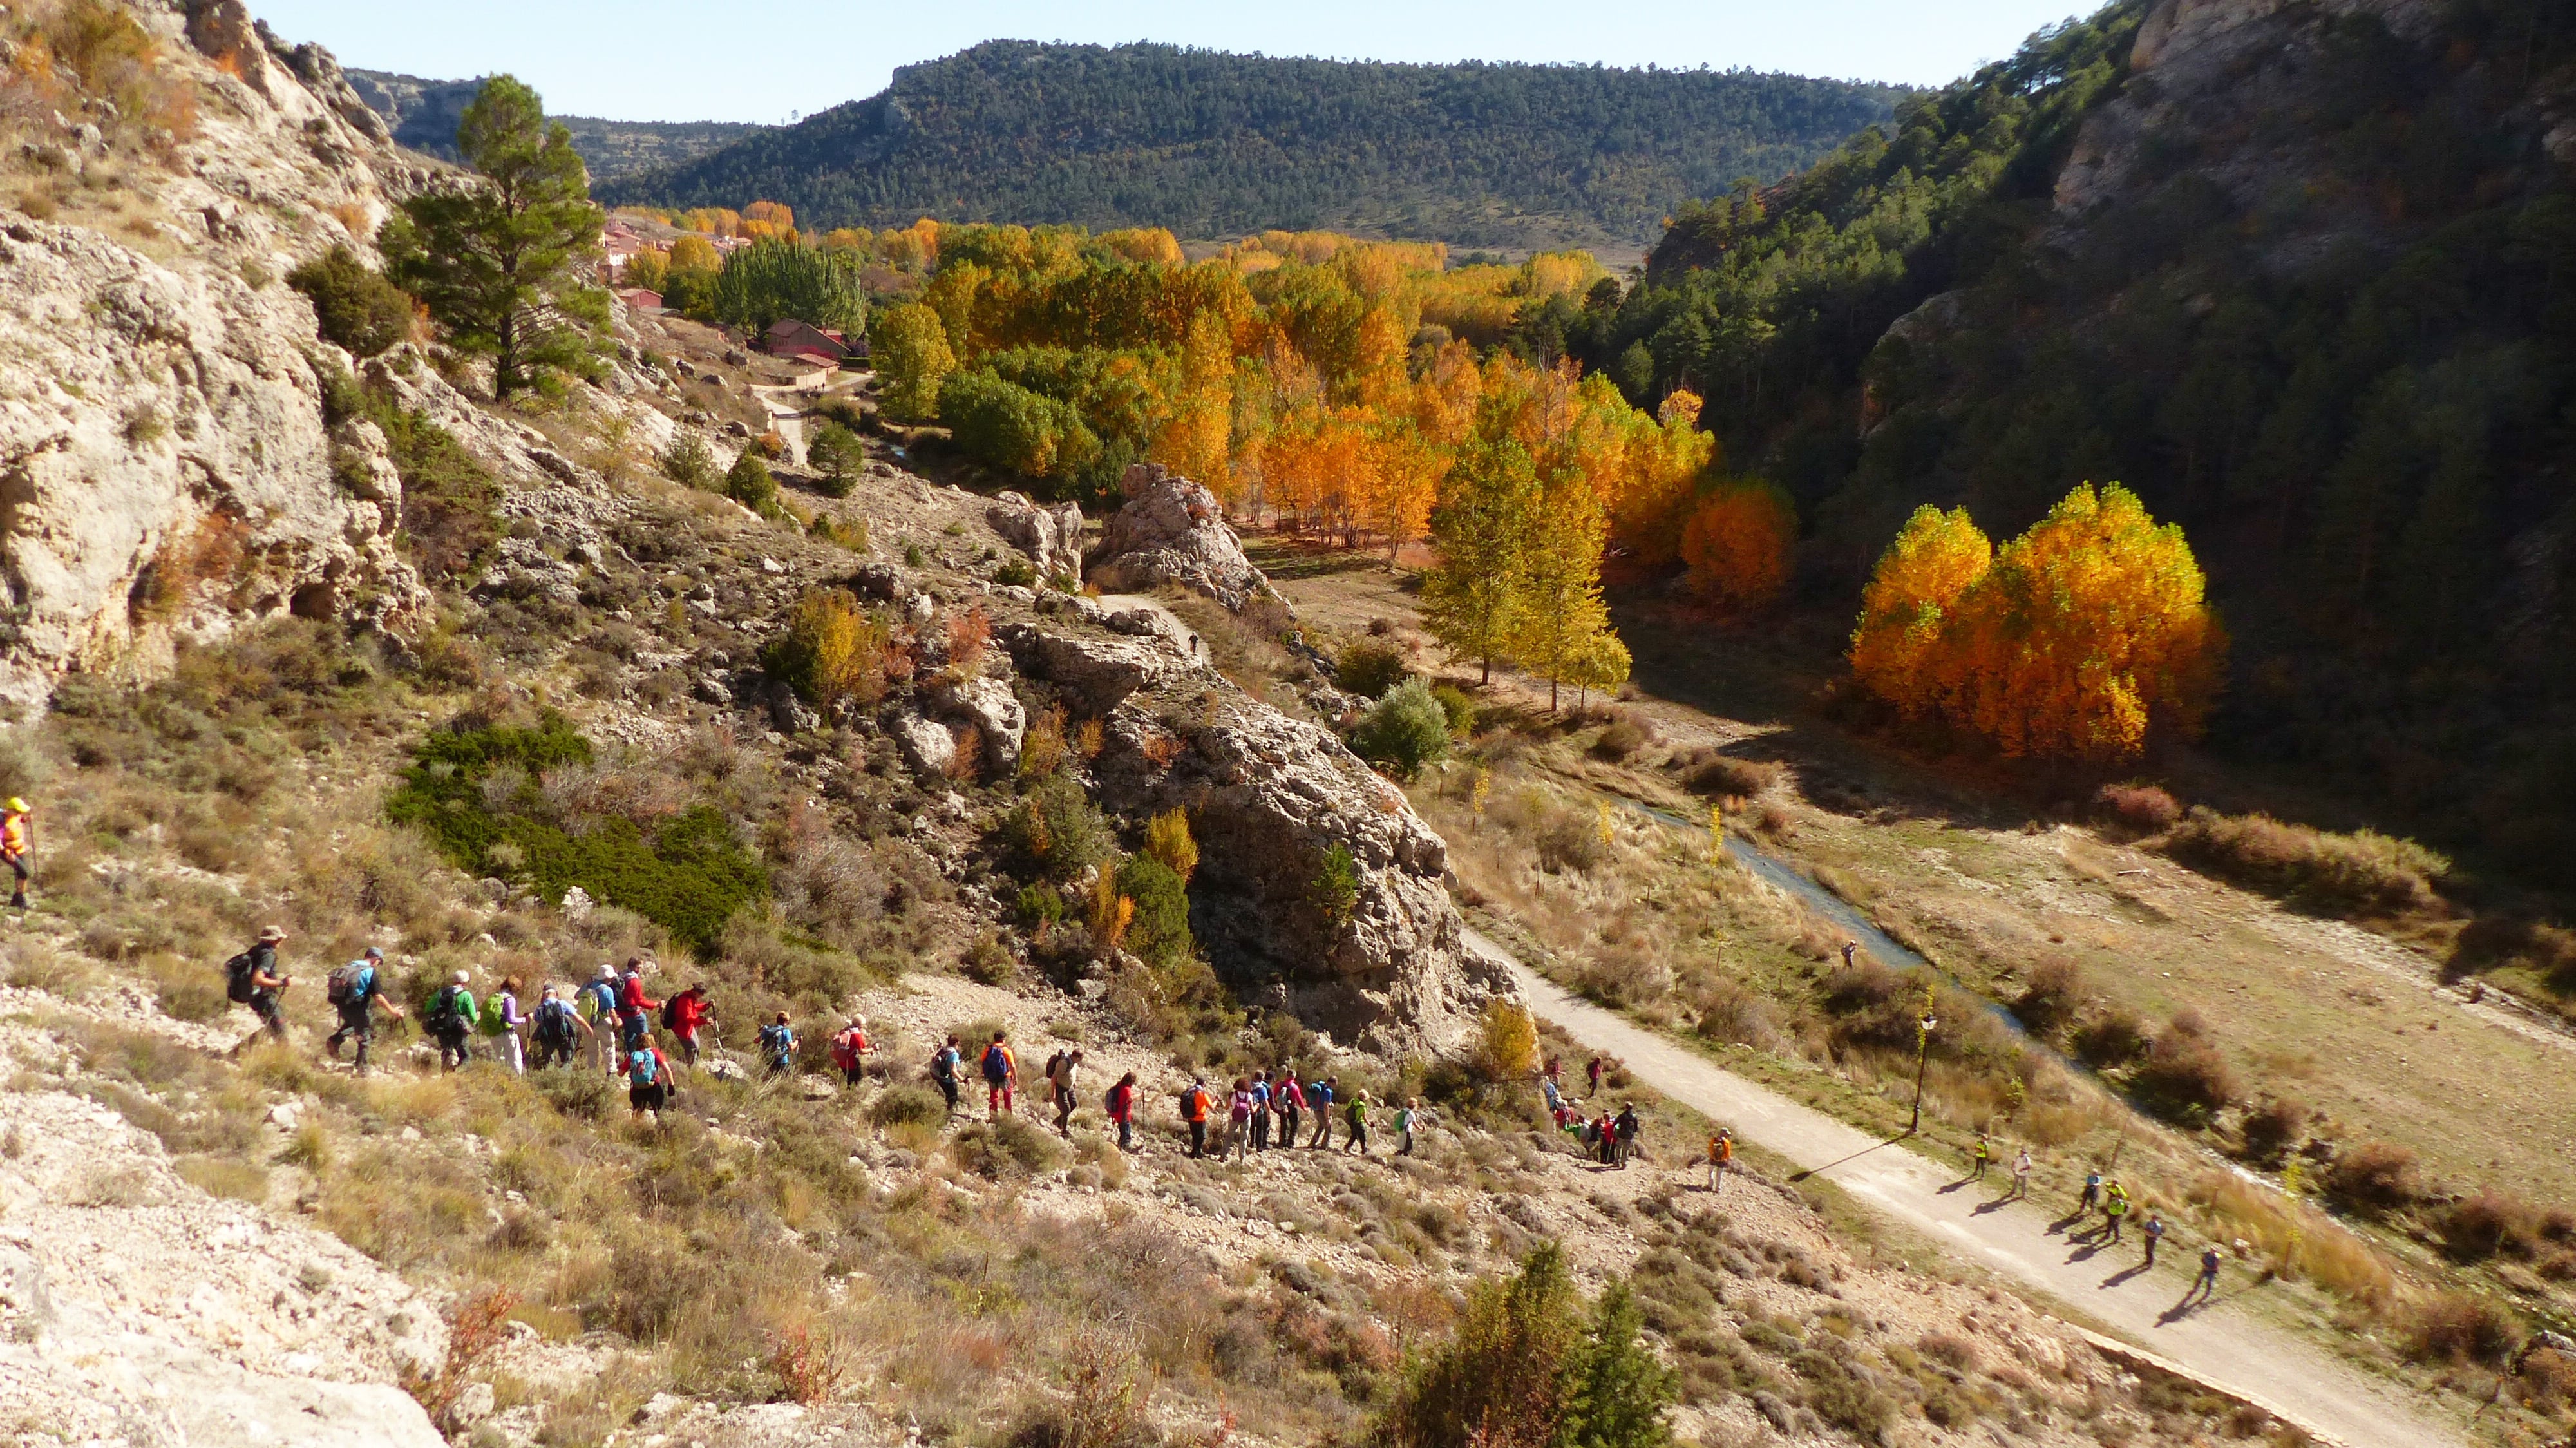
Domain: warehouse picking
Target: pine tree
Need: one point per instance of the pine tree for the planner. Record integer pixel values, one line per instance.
(503, 260)
(1471, 599)
(1615, 1388)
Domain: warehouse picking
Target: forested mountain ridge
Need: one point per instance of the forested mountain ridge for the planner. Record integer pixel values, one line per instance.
(2303, 276)
(423, 115)
(1212, 144)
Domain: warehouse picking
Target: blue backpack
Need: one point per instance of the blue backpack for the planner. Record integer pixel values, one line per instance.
(640, 1068)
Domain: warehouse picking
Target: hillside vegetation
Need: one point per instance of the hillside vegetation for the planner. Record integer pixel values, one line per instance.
(1210, 144)
(423, 115)
(2306, 286)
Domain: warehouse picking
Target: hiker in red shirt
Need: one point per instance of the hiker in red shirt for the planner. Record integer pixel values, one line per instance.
(1122, 1108)
(850, 1049)
(689, 1013)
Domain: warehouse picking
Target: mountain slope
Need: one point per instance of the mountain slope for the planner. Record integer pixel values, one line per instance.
(1213, 144)
(2302, 276)
(423, 115)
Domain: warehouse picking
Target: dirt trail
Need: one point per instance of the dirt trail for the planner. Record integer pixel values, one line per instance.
(2224, 1344)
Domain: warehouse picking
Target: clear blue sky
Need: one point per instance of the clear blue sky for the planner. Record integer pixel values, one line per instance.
(762, 60)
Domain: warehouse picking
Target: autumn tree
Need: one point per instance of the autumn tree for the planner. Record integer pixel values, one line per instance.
(1936, 557)
(503, 258)
(689, 276)
(1558, 612)
(1471, 598)
(909, 348)
(1737, 545)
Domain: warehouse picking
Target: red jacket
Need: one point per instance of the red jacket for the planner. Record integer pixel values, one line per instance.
(1122, 1101)
(689, 1010)
(631, 997)
(847, 1046)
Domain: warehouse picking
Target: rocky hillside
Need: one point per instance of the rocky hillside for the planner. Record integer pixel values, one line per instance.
(422, 114)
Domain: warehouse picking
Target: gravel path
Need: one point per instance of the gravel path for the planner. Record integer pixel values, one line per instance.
(2224, 1344)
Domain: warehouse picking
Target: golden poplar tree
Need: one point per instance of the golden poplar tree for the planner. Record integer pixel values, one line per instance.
(1472, 598)
(1936, 557)
(1737, 545)
(1559, 615)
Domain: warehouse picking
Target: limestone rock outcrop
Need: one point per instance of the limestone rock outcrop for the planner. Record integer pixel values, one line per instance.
(1097, 674)
(1172, 531)
(1052, 537)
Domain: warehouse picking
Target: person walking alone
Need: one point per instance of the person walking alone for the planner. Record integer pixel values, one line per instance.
(1983, 1153)
(356, 989)
(1592, 1072)
(778, 1046)
(1122, 1109)
(2204, 1286)
(13, 849)
(1721, 1155)
(254, 979)
(2021, 1174)
(1405, 1117)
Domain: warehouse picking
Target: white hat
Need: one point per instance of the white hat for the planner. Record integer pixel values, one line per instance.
(462, 977)
(607, 972)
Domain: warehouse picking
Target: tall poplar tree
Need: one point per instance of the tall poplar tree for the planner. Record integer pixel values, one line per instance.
(505, 259)
(1559, 611)
(1471, 599)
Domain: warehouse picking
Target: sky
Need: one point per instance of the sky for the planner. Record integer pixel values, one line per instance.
(772, 60)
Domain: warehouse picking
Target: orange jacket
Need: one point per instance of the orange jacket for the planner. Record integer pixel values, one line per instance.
(13, 834)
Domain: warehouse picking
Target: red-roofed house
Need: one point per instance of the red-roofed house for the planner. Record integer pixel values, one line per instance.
(788, 337)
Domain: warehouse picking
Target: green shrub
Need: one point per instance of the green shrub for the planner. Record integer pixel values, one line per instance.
(749, 483)
(1160, 931)
(354, 305)
(837, 456)
(1461, 708)
(689, 875)
(1528, 1364)
(689, 462)
(1055, 830)
(1008, 426)
(907, 1105)
(1038, 906)
(1403, 731)
(1336, 886)
(1008, 1149)
(1016, 572)
(1370, 669)
(450, 502)
(832, 649)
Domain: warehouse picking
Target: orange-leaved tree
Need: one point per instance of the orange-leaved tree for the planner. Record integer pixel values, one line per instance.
(1936, 557)
(1737, 544)
(2081, 635)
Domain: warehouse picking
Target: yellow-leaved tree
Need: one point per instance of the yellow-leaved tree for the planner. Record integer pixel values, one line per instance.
(1936, 557)
(909, 347)
(2079, 638)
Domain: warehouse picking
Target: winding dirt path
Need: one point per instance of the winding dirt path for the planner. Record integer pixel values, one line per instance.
(2222, 1343)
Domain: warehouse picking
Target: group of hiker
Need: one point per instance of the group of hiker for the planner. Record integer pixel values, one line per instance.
(1608, 1139)
(1263, 1113)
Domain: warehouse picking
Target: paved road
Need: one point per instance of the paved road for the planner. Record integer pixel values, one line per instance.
(2228, 1346)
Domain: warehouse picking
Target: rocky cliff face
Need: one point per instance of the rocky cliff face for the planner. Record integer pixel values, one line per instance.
(164, 465)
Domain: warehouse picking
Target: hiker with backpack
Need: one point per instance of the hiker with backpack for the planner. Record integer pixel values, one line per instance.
(251, 979)
(1001, 1077)
(2115, 1210)
(558, 1029)
(1291, 1097)
(1625, 1128)
(944, 1066)
(1194, 1110)
(778, 1046)
(686, 1014)
(1355, 1123)
(355, 990)
(648, 1079)
(13, 849)
(1260, 1111)
(1721, 1155)
(1319, 1096)
(850, 1051)
(2205, 1285)
(1405, 1117)
(1238, 1122)
(1121, 1107)
(451, 1017)
(502, 1019)
(634, 1008)
(597, 1001)
(1060, 1080)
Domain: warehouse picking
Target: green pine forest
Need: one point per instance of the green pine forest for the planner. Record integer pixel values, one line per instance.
(1210, 144)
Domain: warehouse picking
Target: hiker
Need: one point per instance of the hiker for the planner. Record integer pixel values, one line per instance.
(1355, 1123)
(1849, 946)
(559, 1028)
(1292, 1100)
(503, 1020)
(2115, 1209)
(1547, 1088)
(354, 990)
(2205, 1286)
(13, 848)
(1062, 1080)
(1001, 1078)
(648, 1079)
(685, 1015)
(1319, 1096)
(1405, 1117)
(1626, 1127)
(1982, 1154)
(451, 1017)
(2154, 1232)
(944, 1064)
(2021, 1174)
(598, 1001)
(1121, 1107)
(1261, 1111)
(1238, 1121)
(251, 979)
(1721, 1155)
(850, 1051)
(2092, 1192)
(778, 1046)
(1605, 1136)
(1194, 1110)
(1593, 1071)
(634, 1008)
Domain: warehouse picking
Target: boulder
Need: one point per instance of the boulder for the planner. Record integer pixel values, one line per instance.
(1052, 537)
(928, 745)
(989, 705)
(1095, 673)
(1269, 798)
(1172, 531)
